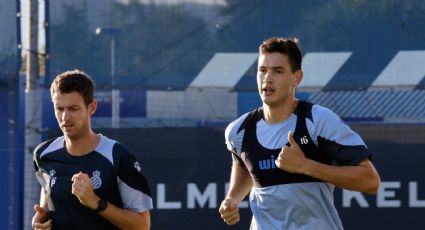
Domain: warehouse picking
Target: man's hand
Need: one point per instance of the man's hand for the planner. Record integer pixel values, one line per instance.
(82, 188)
(41, 219)
(291, 159)
(229, 210)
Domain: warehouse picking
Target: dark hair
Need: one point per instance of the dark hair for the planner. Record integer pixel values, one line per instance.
(74, 81)
(287, 46)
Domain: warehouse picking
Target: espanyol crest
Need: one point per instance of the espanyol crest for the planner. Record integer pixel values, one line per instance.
(96, 180)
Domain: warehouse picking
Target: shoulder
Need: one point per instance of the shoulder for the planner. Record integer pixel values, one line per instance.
(234, 135)
(42, 146)
(326, 120)
(120, 148)
(123, 154)
(322, 114)
(111, 149)
(328, 125)
(49, 146)
(113, 145)
(120, 152)
(233, 127)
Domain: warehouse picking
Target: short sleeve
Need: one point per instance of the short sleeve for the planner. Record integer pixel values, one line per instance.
(133, 185)
(233, 136)
(336, 139)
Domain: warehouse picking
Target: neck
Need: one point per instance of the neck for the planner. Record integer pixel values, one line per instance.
(82, 145)
(276, 114)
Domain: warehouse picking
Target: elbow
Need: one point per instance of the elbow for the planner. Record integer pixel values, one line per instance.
(371, 180)
(144, 226)
(145, 223)
(373, 184)
(148, 227)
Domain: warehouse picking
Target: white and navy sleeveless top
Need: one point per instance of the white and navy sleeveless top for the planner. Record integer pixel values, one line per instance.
(116, 176)
(283, 200)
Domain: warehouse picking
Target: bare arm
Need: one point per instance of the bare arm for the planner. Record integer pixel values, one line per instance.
(41, 218)
(82, 188)
(125, 218)
(362, 177)
(240, 185)
(43, 200)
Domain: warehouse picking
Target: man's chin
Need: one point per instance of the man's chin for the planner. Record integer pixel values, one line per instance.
(270, 103)
(267, 101)
(69, 134)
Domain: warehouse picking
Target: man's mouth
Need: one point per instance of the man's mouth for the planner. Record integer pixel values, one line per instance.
(268, 90)
(67, 125)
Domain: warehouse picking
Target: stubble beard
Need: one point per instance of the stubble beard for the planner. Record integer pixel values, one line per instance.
(75, 134)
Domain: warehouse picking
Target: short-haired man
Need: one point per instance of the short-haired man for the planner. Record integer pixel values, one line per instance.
(289, 154)
(88, 180)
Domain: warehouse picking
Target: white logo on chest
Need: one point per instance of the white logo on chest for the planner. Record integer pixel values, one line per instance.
(96, 180)
(137, 166)
(52, 177)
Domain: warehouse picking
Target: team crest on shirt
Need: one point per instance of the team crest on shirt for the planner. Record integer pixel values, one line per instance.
(52, 177)
(96, 180)
(137, 166)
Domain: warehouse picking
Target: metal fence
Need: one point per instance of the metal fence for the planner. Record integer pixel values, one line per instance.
(190, 63)
(10, 129)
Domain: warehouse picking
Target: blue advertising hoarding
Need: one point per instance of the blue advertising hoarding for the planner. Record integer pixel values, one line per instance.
(188, 170)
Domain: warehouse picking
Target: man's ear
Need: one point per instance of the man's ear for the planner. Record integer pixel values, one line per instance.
(92, 107)
(299, 74)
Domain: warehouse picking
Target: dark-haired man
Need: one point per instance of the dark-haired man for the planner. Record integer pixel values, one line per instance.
(88, 180)
(290, 154)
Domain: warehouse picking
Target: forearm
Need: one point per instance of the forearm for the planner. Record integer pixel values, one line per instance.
(125, 218)
(43, 200)
(240, 183)
(362, 177)
(120, 217)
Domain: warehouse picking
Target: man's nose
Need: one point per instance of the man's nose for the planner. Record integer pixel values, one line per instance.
(267, 77)
(65, 115)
